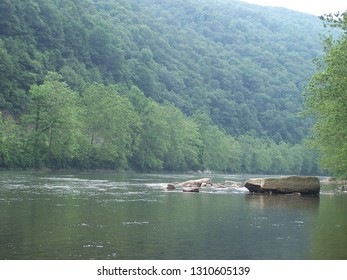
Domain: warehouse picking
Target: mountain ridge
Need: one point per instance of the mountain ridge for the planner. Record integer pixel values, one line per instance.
(238, 62)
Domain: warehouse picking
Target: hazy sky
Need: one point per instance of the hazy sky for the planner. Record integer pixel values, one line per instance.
(315, 7)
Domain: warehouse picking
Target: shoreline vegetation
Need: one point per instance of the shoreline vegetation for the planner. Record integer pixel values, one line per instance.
(114, 127)
(117, 127)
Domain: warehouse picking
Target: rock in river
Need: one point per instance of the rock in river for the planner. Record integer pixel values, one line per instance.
(170, 187)
(284, 185)
(204, 182)
(190, 189)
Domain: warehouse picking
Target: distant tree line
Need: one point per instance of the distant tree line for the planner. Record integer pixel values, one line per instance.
(117, 127)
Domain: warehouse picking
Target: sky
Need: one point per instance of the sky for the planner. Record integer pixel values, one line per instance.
(315, 7)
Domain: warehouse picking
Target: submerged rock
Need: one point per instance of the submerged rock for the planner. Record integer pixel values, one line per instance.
(284, 185)
(233, 184)
(342, 188)
(170, 187)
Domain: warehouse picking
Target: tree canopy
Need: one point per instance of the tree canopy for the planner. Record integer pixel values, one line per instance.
(327, 99)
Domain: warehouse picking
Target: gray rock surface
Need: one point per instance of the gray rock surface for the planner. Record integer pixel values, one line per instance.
(284, 185)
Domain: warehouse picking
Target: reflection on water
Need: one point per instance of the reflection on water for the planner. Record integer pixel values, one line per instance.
(130, 216)
(290, 202)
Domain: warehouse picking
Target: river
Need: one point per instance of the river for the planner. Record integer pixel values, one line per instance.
(105, 215)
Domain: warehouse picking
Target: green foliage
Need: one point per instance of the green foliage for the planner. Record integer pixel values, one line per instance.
(13, 152)
(110, 124)
(235, 61)
(154, 85)
(154, 135)
(52, 117)
(326, 100)
(220, 151)
(185, 142)
(119, 128)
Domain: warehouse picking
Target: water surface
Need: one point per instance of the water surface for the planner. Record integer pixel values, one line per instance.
(100, 215)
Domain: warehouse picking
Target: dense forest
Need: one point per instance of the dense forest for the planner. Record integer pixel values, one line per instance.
(155, 85)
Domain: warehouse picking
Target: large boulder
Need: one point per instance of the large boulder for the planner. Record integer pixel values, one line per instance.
(284, 185)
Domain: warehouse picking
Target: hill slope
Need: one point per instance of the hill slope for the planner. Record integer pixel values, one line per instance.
(244, 65)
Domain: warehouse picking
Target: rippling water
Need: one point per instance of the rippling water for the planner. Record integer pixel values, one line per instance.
(129, 216)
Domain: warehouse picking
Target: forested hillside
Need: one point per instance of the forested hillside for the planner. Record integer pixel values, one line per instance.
(229, 73)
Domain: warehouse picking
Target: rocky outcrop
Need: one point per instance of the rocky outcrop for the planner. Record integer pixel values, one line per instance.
(284, 185)
(204, 182)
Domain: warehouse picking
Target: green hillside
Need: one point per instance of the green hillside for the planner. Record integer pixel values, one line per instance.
(234, 68)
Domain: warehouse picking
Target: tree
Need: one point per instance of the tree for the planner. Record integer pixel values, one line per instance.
(326, 100)
(153, 134)
(155, 138)
(13, 152)
(221, 152)
(184, 151)
(2, 146)
(111, 125)
(52, 122)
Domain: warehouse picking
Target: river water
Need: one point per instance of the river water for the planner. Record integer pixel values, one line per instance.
(104, 215)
